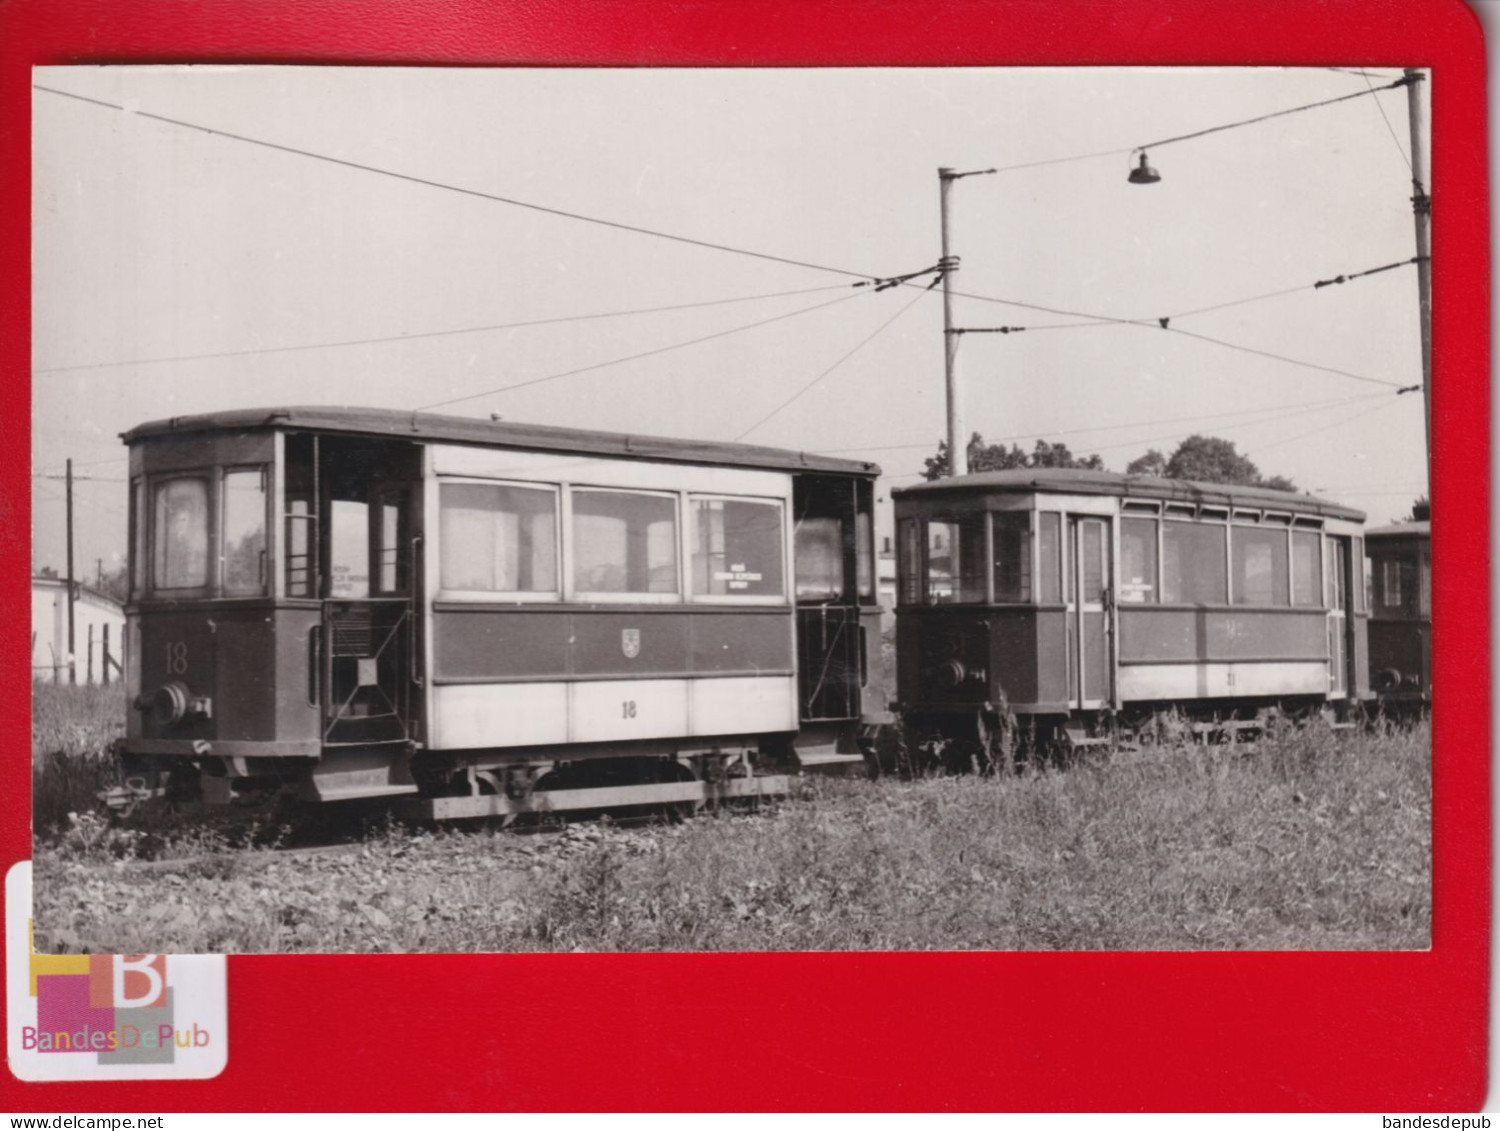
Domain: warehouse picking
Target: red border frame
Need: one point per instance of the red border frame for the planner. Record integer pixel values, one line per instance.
(870, 1031)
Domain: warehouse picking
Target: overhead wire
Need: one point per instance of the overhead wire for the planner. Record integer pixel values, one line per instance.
(1144, 423)
(866, 340)
(448, 187)
(637, 356)
(1390, 128)
(416, 335)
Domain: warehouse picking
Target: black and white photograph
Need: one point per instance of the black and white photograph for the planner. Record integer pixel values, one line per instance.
(831, 509)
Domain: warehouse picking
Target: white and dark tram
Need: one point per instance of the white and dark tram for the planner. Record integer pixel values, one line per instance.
(489, 618)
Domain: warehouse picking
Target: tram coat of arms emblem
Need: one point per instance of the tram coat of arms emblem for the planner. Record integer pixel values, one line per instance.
(630, 642)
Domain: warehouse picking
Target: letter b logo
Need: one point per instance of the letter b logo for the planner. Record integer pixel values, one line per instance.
(140, 980)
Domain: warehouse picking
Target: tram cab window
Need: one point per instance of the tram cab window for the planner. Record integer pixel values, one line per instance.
(1424, 585)
(820, 559)
(138, 537)
(243, 528)
(1193, 567)
(349, 549)
(1049, 556)
(624, 542)
(956, 561)
(1307, 568)
(909, 539)
(1012, 557)
(1138, 561)
(864, 553)
(498, 538)
(1259, 558)
(179, 557)
(737, 548)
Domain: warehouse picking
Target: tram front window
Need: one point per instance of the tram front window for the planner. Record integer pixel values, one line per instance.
(244, 532)
(179, 556)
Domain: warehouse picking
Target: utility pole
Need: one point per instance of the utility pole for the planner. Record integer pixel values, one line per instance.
(1421, 207)
(958, 441)
(72, 663)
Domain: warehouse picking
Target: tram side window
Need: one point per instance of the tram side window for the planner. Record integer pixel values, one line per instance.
(1138, 560)
(1012, 534)
(818, 548)
(1390, 583)
(737, 548)
(1307, 569)
(956, 561)
(349, 549)
(498, 539)
(624, 542)
(138, 542)
(1260, 565)
(1193, 564)
(1424, 585)
(179, 557)
(1049, 554)
(909, 538)
(244, 532)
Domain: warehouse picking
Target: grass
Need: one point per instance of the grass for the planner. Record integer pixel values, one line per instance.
(1305, 840)
(72, 728)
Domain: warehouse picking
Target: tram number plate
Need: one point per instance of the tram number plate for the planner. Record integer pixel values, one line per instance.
(627, 709)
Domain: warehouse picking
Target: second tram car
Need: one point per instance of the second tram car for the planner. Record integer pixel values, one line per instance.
(489, 618)
(1080, 604)
(1400, 594)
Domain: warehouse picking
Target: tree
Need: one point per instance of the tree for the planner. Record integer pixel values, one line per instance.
(1421, 510)
(997, 457)
(47, 572)
(1207, 459)
(1152, 463)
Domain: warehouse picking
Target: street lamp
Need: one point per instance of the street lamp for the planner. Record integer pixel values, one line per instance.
(1144, 174)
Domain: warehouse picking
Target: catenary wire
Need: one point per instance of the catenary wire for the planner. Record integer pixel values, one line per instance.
(1405, 160)
(638, 356)
(430, 183)
(260, 350)
(861, 345)
(1045, 433)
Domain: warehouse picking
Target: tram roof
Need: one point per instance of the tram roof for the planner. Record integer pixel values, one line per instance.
(1077, 481)
(426, 426)
(1401, 530)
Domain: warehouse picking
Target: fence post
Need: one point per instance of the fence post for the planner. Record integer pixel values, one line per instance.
(104, 666)
(88, 665)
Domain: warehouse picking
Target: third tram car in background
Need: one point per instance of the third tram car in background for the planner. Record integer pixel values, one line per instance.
(489, 618)
(1084, 605)
(1400, 587)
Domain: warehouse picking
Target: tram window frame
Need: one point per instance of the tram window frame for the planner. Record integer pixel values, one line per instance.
(1390, 584)
(571, 559)
(1424, 584)
(1020, 583)
(203, 588)
(264, 567)
(1219, 574)
(1312, 600)
(1148, 590)
(969, 585)
(694, 551)
(909, 541)
(504, 596)
(139, 543)
(1049, 558)
(1243, 538)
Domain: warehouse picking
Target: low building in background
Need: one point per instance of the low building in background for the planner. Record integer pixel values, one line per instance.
(98, 633)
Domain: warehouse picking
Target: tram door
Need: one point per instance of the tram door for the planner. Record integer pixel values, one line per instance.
(1338, 617)
(1087, 593)
(361, 518)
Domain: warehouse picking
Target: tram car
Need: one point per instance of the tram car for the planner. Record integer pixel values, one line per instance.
(486, 618)
(1400, 587)
(1079, 607)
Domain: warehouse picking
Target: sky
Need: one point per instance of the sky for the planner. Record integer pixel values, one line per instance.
(155, 244)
